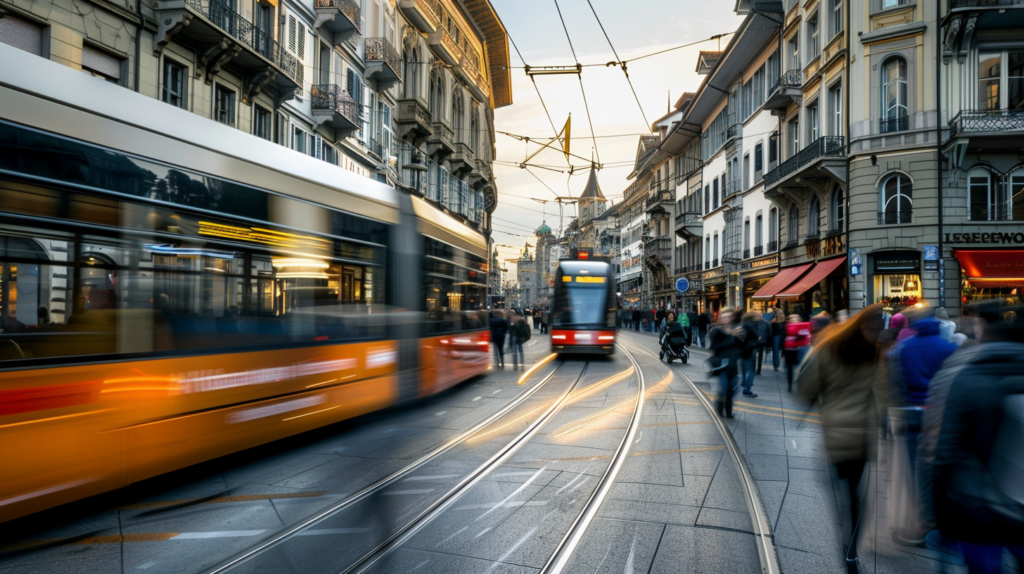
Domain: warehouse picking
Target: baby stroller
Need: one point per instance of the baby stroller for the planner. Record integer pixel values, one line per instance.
(673, 344)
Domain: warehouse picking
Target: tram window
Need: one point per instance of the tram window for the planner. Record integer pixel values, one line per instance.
(454, 288)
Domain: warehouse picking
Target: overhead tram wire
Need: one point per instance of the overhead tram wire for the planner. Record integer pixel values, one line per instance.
(535, 87)
(622, 65)
(658, 53)
(579, 76)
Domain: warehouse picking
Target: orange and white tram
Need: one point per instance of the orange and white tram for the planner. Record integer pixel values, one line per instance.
(173, 290)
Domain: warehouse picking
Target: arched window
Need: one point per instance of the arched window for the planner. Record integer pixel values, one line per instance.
(813, 217)
(707, 251)
(793, 224)
(773, 229)
(436, 96)
(758, 234)
(474, 127)
(837, 211)
(457, 116)
(411, 84)
(987, 197)
(714, 263)
(897, 200)
(894, 95)
(746, 238)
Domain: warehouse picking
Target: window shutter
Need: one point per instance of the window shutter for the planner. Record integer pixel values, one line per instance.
(21, 34)
(291, 32)
(302, 42)
(101, 62)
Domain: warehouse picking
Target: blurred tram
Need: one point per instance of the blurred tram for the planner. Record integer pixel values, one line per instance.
(583, 308)
(175, 290)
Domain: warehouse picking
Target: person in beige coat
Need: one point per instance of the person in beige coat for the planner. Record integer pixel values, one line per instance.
(841, 376)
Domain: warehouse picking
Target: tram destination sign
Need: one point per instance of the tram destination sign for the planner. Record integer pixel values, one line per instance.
(993, 238)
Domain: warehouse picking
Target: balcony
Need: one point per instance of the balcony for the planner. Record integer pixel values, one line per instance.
(658, 252)
(469, 70)
(442, 43)
(824, 158)
(812, 236)
(955, 5)
(707, 265)
(1001, 129)
(746, 253)
(413, 119)
(758, 250)
(376, 149)
(714, 262)
(224, 36)
(340, 17)
(463, 159)
(773, 246)
(441, 143)
(383, 62)
(835, 228)
(660, 201)
(334, 107)
(733, 186)
(891, 125)
(792, 243)
(689, 224)
(894, 217)
(422, 13)
(786, 91)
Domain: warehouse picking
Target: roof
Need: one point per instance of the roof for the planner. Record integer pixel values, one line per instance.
(684, 99)
(496, 42)
(543, 230)
(593, 190)
(706, 61)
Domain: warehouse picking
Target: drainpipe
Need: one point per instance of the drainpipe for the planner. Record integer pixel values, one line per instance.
(846, 209)
(138, 41)
(938, 158)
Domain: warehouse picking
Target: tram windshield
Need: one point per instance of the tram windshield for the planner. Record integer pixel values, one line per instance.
(581, 299)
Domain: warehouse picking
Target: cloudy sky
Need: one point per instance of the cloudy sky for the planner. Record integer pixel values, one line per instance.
(636, 28)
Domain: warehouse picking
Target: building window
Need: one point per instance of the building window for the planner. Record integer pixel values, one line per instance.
(707, 199)
(894, 95)
(773, 147)
(746, 171)
(812, 122)
(835, 102)
(714, 263)
(773, 229)
(707, 251)
(794, 137)
(758, 161)
(988, 201)
(224, 105)
(837, 211)
(1001, 80)
(837, 16)
(175, 84)
(897, 200)
(758, 233)
(101, 65)
(746, 238)
(261, 122)
(813, 47)
(794, 223)
(21, 34)
(714, 193)
(813, 217)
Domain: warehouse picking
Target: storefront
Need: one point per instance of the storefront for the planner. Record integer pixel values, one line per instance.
(714, 295)
(896, 278)
(821, 286)
(755, 275)
(990, 274)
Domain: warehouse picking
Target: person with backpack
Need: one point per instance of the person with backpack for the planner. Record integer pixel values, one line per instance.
(728, 342)
(499, 328)
(764, 339)
(978, 473)
(520, 332)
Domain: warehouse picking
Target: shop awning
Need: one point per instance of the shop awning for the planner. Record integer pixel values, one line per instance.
(781, 281)
(820, 271)
(995, 268)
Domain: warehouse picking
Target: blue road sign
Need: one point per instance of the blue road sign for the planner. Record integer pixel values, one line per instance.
(682, 285)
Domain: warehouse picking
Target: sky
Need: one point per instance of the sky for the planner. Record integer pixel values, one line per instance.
(635, 28)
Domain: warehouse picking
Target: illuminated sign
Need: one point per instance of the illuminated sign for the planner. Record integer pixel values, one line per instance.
(590, 279)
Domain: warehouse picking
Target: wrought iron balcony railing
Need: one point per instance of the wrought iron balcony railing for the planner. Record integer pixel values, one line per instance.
(893, 124)
(827, 146)
(376, 149)
(957, 4)
(983, 121)
(348, 8)
(773, 246)
(790, 79)
(733, 186)
(381, 50)
(746, 254)
(894, 217)
(835, 228)
(714, 262)
(331, 97)
(226, 18)
(758, 250)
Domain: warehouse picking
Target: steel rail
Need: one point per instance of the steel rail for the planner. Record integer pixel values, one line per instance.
(392, 478)
(560, 558)
(759, 518)
(449, 498)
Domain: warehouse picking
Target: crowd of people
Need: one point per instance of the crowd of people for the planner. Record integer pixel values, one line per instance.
(510, 329)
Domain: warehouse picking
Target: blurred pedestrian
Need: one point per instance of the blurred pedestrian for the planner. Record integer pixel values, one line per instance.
(727, 343)
(545, 320)
(703, 322)
(778, 331)
(659, 318)
(520, 332)
(749, 362)
(691, 318)
(764, 339)
(978, 471)
(636, 319)
(918, 358)
(901, 325)
(797, 343)
(946, 327)
(840, 375)
(499, 329)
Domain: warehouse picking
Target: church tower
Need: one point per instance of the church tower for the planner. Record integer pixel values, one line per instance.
(592, 201)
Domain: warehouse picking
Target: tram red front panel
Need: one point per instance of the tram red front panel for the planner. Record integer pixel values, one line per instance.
(582, 338)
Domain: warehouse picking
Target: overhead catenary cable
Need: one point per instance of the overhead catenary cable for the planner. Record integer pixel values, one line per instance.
(579, 76)
(622, 65)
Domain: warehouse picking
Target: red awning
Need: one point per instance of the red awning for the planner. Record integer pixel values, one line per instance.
(814, 276)
(1004, 265)
(780, 281)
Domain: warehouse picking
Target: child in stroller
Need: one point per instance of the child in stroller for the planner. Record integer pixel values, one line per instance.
(673, 340)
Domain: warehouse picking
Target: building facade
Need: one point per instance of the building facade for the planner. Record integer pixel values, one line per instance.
(402, 92)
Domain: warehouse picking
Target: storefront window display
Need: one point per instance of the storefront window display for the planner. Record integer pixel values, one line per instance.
(991, 274)
(897, 278)
(749, 288)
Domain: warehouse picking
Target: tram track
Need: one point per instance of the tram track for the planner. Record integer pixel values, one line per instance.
(760, 523)
(394, 477)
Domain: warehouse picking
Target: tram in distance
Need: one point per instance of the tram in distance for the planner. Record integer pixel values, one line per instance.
(175, 290)
(583, 308)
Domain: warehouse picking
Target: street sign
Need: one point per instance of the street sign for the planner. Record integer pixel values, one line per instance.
(682, 285)
(931, 252)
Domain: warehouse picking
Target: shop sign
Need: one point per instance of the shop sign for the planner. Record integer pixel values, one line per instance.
(931, 252)
(855, 265)
(832, 245)
(905, 262)
(995, 238)
(773, 260)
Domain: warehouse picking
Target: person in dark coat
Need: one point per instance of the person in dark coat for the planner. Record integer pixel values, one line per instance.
(751, 342)
(976, 487)
(727, 340)
(499, 328)
(703, 322)
(919, 358)
(659, 317)
(635, 325)
(691, 316)
(778, 331)
(764, 339)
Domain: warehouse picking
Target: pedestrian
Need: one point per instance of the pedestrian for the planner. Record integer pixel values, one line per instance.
(727, 345)
(749, 361)
(536, 318)
(977, 471)
(797, 342)
(946, 327)
(778, 332)
(636, 319)
(545, 320)
(499, 328)
(691, 318)
(659, 318)
(520, 334)
(703, 322)
(901, 325)
(918, 358)
(841, 376)
(764, 339)
(684, 321)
